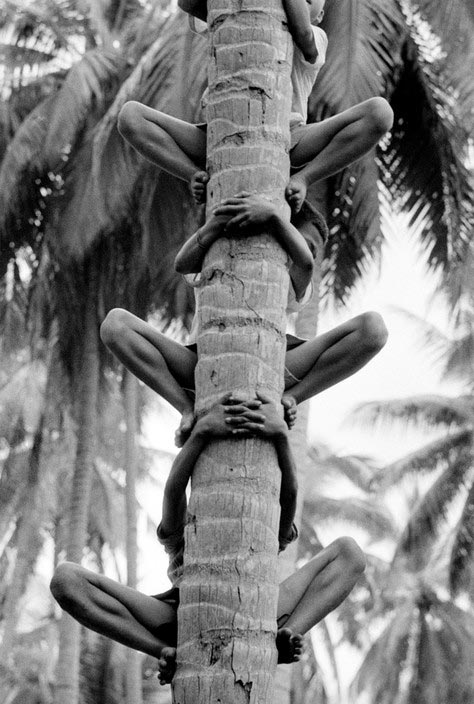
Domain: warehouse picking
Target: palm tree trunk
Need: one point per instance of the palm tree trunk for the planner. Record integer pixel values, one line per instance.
(227, 617)
(67, 671)
(133, 669)
(29, 543)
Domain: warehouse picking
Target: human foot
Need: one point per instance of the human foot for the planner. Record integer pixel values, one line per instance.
(184, 429)
(289, 645)
(198, 186)
(295, 193)
(167, 665)
(289, 410)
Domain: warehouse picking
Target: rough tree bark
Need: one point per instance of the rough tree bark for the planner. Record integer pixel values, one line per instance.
(227, 617)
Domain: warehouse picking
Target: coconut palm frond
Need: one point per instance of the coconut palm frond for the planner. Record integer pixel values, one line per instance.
(460, 360)
(358, 60)
(149, 83)
(360, 470)
(431, 337)
(429, 458)
(376, 520)
(23, 164)
(423, 164)
(453, 23)
(354, 227)
(358, 65)
(426, 520)
(461, 568)
(379, 674)
(83, 91)
(431, 410)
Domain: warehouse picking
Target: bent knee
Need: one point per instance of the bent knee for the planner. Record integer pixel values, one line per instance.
(351, 554)
(66, 582)
(373, 331)
(380, 115)
(129, 118)
(114, 325)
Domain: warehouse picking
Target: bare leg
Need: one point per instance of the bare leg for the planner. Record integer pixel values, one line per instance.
(311, 593)
(162, 364)
(176, 146)
(327, 147)
(110, 608)
(317, 364)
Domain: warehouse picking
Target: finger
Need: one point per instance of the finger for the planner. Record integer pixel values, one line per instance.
(237, 221)
(235, 410)
(242, 432)
(243, 194)
(254, 428)
(227, 209)
(234, 200)
(253, 404)
(235, 420)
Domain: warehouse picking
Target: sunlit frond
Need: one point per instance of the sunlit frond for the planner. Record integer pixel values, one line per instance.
(430, 410)
(423, 164)
(83, 92)
(428, 458)
(453, 23)
(461, 568)
(360, 470)
(376, 520)
(359, 64)
(428, 517)
(379, 674)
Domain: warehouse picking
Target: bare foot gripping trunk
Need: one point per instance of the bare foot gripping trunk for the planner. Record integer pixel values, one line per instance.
(227, 617)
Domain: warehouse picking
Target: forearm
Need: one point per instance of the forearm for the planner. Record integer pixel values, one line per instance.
(174, 497)
(294, 243)
(191, 255)
(299, 24)
(289, 485)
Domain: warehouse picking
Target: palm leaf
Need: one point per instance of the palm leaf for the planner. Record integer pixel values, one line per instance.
(83, 92)
(359, 64)
(428, 458)
(431, 513)
(453, 23)
(430, 410)
(359, 60)
(373, 519)
(460, 360)
(117, 169)
(358, 469)
(461, 568)
(379, 674)
(423, 166)
(23, 164)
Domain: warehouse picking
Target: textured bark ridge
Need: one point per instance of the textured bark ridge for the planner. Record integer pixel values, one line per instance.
(227, 617)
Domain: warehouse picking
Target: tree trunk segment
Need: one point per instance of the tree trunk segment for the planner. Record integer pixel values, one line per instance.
(227, 617)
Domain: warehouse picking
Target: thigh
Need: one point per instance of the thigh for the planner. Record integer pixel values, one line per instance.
(316, 136)
(147, 610)
(132, 349)
(190, 138)
(292, 589)
(301, 359)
